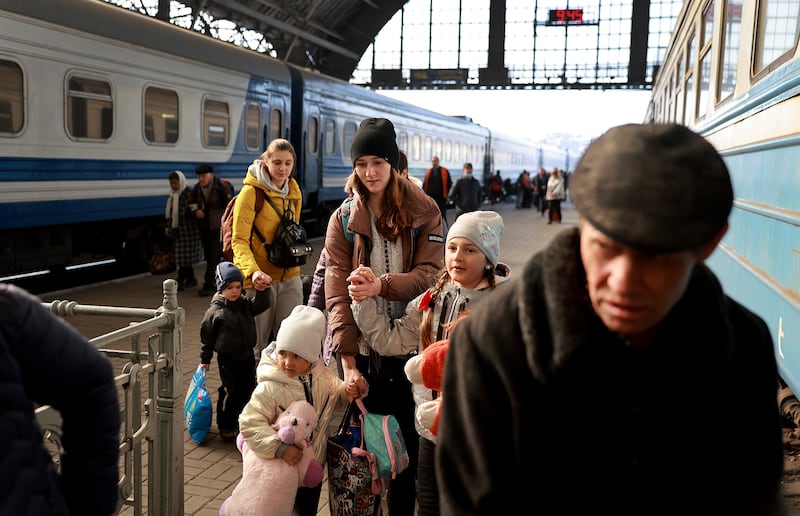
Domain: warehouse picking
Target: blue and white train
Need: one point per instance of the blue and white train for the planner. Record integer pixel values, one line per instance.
(98, 104)
(732, 73)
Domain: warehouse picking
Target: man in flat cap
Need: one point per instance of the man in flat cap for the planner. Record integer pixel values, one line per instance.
(615, 375)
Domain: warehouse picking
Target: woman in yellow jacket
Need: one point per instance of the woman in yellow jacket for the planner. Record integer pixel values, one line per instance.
(271, 173)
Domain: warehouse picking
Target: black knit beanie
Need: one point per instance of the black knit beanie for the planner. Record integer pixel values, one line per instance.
(376, 137)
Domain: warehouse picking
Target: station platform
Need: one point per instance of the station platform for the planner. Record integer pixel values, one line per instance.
(212, 470)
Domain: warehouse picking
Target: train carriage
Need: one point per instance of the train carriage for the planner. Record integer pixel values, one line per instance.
(331, 111)
(732, 73)
(98, 104)
(101, 104)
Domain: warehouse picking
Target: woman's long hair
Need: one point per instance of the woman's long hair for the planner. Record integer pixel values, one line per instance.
(394, 220)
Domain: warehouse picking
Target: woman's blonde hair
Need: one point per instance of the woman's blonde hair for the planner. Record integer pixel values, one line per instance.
(278, 144)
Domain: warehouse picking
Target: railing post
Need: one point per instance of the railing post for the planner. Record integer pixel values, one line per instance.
(169, 410)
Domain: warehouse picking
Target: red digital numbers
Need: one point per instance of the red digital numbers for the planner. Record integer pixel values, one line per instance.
(565, 16)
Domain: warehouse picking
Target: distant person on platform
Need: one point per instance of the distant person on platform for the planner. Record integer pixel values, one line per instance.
(467, 192)
(437, 184)
(45, 361)
(617, 349)
(182, 229)
(210, 196)
(404, 170)
(540, 190)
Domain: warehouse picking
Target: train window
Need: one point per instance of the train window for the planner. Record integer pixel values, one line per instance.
(704, 58)
(216, 121)
(448, 151)
(777, 32)
(457, 153)
(690, 102)
(347, 139)
(330, 136)
(276, 124)
(402, 141)
(416, 147)
(730, 49)
(252, 126)
(160, 115)
(89, 108)
(679, 94)
(689, 109)
(313, 134)
(437, 148)
(708, 24)
(671, 97)
(427, 150)
(11, 90)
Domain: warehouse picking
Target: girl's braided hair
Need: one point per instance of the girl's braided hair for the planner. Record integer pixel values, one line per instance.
(426, 330)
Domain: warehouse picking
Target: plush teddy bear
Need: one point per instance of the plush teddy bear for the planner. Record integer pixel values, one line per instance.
(427, 369)
(268, 486)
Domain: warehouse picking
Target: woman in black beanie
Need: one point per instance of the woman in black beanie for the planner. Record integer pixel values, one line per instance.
(387, 241)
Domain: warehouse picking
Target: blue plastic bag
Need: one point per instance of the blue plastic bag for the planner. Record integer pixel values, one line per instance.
(197, 408)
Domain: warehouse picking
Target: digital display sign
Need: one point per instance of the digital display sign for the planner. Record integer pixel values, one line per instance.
(565, 17)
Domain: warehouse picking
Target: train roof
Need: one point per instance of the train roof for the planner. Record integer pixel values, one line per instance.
(122, 25)
(336, 89)
(330, 35)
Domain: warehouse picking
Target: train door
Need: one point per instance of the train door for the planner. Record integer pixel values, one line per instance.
(278, 120)
(311, 155)
(311, 158)
(488, 162)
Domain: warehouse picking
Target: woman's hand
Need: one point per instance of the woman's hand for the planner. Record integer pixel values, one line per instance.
(351, 373)
(363, 284)
(261, 280)
(355, 389)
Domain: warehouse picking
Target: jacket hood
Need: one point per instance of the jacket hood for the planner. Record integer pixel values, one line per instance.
(257, 177)
(268, 368)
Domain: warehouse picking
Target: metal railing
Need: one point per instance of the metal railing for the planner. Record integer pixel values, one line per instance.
(151, 400)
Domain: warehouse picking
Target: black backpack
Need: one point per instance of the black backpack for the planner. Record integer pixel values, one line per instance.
(289, 246)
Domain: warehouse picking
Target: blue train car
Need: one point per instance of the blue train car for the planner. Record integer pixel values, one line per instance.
(732, 73)
(327, 113)
(98, 104)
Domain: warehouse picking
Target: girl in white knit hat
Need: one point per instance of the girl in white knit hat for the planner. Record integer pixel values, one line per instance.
(290, 370)
(471, 270)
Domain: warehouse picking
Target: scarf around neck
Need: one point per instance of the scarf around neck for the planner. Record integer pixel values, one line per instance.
(172, 212)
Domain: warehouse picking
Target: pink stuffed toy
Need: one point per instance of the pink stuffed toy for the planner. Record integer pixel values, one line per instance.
(268, 486)
(427, 369)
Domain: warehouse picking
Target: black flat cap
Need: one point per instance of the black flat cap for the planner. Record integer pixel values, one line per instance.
(659, 187)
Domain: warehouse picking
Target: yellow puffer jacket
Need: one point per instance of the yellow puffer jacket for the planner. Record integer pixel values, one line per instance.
(250, 257)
